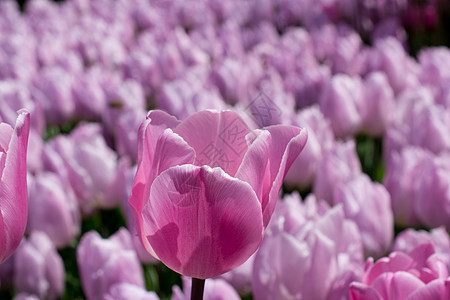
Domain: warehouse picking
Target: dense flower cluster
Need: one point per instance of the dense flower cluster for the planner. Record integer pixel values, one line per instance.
(376, 163)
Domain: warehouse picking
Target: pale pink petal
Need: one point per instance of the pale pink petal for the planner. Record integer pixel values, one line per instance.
(254, 168)
(217, 137)
(5, 136)
(156, 122)
(267, 161)
(397, 261)
(201, 222)
(13, 187)
(382, 284)
(287, 143)
(360, 291)
(171, 150)
(438, 289)
(403, 284)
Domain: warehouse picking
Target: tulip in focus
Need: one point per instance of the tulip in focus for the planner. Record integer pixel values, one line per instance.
(13, 183)
(205, 188)
(418, 275)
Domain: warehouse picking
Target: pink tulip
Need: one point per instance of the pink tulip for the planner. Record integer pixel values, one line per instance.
(84, 160)
(434, 65)
(38, 268)
(378, 106)
(338, 165)
(320, 140)
(13, 183)
(104, 263)
(127, 180)
(402, 172)
(53, 91)
(432, 198)
(388, 56)
(368, 204)
(419, 275)
(341, 102)
(409, 239)
(54, 209)
(310, 252)
(205, 188)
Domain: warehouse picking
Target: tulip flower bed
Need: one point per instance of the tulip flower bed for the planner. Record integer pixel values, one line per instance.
(295, 149)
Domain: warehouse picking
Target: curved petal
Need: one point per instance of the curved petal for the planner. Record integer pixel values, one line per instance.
(171, 150)
(13, 187)
(218, 137)
(155, 123)
(438, 289)
(403, 284)
(267, 161)
(397, 261)
(5, 136)
(360, 291)
(201, 222)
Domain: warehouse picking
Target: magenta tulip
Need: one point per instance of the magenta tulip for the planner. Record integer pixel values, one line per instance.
(13, 183)
(205, 188)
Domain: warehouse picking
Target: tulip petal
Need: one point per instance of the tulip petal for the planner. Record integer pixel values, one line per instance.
(288, 142)
(267, 161)
(221, 143)
(201, 222)
(397, 261)
(403, 284)
(171, 150)
(360, 291)
(13, 187)
(438, 289)
(5, 136)
(149, 131)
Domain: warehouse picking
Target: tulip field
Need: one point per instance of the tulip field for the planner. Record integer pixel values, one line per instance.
(221, 150)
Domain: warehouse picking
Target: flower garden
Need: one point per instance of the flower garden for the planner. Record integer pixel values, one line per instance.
(253, 149)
